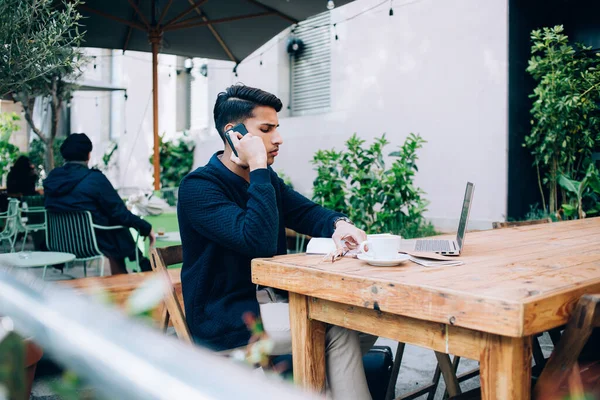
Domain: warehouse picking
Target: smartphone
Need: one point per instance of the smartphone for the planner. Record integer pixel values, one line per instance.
(241, 128)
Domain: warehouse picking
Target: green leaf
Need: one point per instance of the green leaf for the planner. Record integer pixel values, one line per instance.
(569, 184)
(569, 210)
(593, 179)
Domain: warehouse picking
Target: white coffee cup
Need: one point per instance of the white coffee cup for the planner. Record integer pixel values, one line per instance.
(383, 246)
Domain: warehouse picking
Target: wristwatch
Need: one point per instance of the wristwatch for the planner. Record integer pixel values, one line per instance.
(345, 219)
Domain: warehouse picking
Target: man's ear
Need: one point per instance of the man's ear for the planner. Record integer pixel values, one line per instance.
(227, 127)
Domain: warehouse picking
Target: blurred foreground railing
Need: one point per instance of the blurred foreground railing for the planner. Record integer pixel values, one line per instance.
(121, 358)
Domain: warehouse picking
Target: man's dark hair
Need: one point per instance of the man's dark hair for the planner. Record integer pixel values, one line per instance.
(237, 103)
(76, 147)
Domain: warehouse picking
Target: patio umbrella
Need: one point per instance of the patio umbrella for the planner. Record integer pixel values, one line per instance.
(217, 29)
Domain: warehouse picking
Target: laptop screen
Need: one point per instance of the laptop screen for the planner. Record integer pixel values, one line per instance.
(464, 215)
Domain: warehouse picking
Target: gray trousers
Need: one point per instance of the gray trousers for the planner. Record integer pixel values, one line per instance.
(344, 349)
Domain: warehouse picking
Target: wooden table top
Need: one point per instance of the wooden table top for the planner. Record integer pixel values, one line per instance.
(120, 287)
(515, 281)
(118, 283)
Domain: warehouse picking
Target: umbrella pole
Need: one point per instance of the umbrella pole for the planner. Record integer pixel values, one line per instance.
(155, 39)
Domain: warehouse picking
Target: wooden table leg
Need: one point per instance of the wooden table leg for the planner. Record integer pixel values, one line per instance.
(506, 368)
(308, 345)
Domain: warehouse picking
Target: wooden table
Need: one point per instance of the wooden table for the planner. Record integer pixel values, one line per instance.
(516, 282)
(120, 287)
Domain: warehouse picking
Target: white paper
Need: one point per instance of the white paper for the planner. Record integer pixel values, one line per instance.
(320, 246)
(433, 263)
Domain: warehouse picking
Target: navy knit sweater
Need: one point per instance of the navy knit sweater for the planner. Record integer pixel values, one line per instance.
(225, 222)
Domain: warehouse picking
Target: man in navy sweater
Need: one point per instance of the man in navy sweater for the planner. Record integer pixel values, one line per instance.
(236, 208)
(76, 187)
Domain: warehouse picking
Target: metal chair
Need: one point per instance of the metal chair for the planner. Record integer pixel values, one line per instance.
(74, 232)
(9, 219)
(33, 201)
(24, 223)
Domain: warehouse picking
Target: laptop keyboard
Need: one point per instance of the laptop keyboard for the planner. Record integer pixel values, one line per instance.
(433, 245)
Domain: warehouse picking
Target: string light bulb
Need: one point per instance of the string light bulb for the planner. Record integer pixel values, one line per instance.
(391, 9)
(330, 5)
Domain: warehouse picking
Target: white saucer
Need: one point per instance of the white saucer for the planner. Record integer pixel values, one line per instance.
(384, 262)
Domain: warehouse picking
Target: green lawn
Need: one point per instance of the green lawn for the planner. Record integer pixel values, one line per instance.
(168, 221)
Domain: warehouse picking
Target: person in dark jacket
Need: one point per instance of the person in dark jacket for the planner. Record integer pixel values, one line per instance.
(22, 178)
(235, 209)
(74, 187)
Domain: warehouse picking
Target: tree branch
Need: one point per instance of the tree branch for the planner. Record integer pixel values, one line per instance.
(28, 109)
(590, 89)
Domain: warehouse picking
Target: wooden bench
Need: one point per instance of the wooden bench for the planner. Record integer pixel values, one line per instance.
(120, 287)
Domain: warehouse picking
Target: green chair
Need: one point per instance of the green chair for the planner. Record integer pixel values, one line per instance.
(33, 201)
(30, 219)
(74, 232)
(9, 223)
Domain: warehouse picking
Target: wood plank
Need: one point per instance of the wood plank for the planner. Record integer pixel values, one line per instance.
(563, 361)
(510, 224)
(120, 287)
(160, 257)
(506, 263)
(505, 366)
(439, 337)
(308, 345)
(447, 307)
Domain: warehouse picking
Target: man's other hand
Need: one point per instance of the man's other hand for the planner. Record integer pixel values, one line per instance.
(348, 235)
(251, 151)
(152, 238)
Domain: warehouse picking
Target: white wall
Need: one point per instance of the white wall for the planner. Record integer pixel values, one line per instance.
(438, 68)
(131, 119)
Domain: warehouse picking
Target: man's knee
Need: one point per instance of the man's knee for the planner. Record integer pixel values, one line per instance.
(366, 342)
(338, 337)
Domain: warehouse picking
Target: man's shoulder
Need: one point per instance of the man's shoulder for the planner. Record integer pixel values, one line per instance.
(96, 176)
(201, 176)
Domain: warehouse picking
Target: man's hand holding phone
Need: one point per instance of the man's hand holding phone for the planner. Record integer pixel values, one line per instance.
(251, 150)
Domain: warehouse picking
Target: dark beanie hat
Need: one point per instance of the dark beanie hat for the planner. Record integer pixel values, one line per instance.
(76, 147)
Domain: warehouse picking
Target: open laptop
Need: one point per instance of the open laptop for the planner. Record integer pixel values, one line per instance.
(450, 247)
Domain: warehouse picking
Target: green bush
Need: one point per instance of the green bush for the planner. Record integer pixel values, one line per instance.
(565, 119)
(8, 151)
(356, 182)
(176, 160)
(585, 194)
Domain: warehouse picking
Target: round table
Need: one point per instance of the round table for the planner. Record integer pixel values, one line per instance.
(32, 259)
